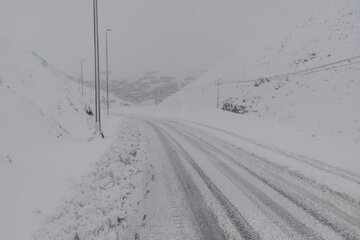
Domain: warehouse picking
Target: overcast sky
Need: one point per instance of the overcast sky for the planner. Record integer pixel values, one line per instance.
(165, 35)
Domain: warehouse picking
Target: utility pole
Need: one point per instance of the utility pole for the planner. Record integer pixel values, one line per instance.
(157, 96)
(82, 77)
(97, 71)
(107, 71)
(218, 93)
(160, 95)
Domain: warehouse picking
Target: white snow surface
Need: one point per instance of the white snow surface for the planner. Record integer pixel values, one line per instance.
(48, 166)
(45, 150)
(38, 102)
(44, 133)
(105, 202)
(315, 114)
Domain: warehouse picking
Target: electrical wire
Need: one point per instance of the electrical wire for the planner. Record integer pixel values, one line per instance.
(321, 68)
(324, 67)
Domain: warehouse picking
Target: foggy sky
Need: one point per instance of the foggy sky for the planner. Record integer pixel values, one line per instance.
(165, 35)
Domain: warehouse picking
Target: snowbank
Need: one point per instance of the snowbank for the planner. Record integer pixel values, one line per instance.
(106, 202)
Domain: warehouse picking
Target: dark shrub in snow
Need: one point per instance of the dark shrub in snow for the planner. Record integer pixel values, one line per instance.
(88, 110)
(261, 81)
(230, 106)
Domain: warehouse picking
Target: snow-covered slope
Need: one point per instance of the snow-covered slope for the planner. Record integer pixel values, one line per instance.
(325, 102)
(38, 103)
(44, 134)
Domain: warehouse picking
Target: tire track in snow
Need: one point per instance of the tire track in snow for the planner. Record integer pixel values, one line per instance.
(240, 223)
(296, 225)
(344, 197)
(343, 231)
(166, 192)
(348, 175)
(305, 194)
(351, 217)
(204, 221)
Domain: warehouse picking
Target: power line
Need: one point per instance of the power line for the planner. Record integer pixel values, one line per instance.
(324, 67)
(329, 68)
(196, 87)
(313, 70)
(321, 68)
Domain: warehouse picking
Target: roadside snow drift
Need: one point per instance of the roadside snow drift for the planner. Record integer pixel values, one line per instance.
(106, 203)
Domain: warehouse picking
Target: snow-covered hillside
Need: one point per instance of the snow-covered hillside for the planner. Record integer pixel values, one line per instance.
(324, 101)
(314, 113)
(43, 139)
(38, 102)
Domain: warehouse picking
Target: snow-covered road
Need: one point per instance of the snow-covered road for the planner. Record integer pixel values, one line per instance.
(207, 187)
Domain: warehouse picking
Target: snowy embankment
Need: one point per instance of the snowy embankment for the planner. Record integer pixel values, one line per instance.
(39, 104)
(312, 111)
(106, 202)
(44, 132)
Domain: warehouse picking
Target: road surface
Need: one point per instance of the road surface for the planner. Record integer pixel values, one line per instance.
(208, 188)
